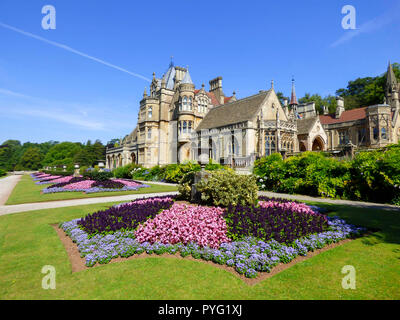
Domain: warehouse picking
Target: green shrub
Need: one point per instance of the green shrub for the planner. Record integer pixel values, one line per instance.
(83, 169)
(370, 176)
(225, 187)
(125, 172)
(98, 175)
(309, 173)
(59, 173)
(185, 185)
(2, 172)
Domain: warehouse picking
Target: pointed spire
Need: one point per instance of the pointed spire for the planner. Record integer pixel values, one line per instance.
(144, 93)
(272, 84)
(293, 99)
(187, 78)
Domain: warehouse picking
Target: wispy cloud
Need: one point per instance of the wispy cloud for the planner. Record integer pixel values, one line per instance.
(78, 115)
(369, 26)
(67, 48)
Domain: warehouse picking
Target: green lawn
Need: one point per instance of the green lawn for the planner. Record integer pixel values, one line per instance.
(28, 242)
(26, 191)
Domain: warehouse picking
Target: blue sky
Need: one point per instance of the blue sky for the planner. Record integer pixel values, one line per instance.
(84, 80)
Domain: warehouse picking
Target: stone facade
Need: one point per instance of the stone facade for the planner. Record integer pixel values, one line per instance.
(177, 122)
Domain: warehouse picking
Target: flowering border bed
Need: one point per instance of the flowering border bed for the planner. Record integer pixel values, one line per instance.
(81, 184)
(248, 256)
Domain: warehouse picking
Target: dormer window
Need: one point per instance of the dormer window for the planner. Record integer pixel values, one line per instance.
(202, 105)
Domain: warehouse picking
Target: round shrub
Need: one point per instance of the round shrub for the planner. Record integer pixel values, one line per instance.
(224, 188)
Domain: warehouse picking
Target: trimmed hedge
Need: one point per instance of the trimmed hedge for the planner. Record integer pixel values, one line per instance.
(97, 175)
(58, 173)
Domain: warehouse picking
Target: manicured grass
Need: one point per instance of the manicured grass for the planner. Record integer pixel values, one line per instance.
(26, 191)
(28, 242)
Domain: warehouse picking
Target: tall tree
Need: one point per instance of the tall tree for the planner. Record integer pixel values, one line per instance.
(363, 92)
(31, 159)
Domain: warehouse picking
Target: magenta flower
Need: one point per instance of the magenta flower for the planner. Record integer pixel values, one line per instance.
(85, 184)
(185, 224)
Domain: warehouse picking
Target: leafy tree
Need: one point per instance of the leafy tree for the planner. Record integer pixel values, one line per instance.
(62, 154)
(31, 159)
(281, 97)
(366, 91)
(9, 154)
(329, 101)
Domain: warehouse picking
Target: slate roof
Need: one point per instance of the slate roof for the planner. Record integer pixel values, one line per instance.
(187, 78)
(169, 77)
(233, 112)
(347, 115)
(304, 126)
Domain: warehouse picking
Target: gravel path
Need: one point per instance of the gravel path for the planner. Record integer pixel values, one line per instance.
(7, 185)
(359, 204)
(77, 202)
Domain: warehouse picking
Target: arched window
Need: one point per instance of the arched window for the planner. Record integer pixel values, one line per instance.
(150, 112)
(190, 126)
(180, 126)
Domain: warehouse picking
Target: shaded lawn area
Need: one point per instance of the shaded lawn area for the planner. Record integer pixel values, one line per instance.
(26, 191)
(28, 242)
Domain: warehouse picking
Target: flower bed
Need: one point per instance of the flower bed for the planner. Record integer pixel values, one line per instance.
(282, 221)
(184, 224)
(158, 225)
(125, 216)
(84, 184)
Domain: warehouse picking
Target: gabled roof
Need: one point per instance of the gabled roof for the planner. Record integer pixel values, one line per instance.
(347, 115)
(304, 126)
(213, 98)
(233, 112)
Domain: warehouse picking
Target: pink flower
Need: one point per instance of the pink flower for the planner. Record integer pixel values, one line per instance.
(185, 223)
(127, 182)
(62, 179)
(85, 184)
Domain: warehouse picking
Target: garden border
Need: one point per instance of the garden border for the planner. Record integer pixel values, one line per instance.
(78, 263)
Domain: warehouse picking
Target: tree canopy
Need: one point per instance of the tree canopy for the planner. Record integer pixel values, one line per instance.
(363, 92)
(33, 156)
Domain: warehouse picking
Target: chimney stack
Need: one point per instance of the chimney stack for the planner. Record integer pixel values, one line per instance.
(216, 88)
(340, 107)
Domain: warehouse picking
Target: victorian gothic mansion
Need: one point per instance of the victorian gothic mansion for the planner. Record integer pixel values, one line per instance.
(177, 122)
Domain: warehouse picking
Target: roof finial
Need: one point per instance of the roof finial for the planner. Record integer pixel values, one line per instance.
(272, 84)
(144, 93)
(171, 64)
